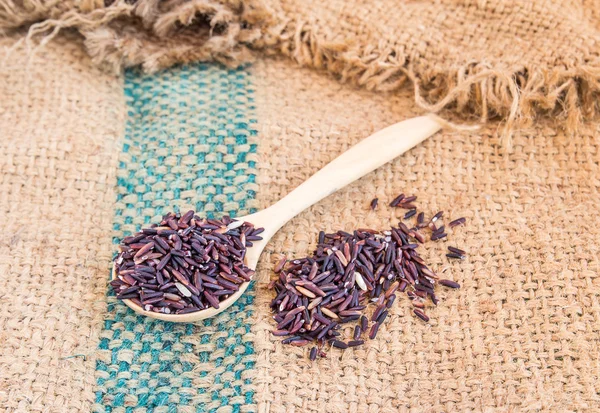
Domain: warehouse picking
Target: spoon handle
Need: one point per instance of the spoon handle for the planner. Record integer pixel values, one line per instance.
(362, 158)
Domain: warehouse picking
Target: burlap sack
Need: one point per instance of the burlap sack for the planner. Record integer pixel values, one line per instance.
(511, 59)
(522, 334)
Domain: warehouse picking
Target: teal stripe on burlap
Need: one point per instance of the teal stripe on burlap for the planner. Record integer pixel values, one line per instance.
(189, 142)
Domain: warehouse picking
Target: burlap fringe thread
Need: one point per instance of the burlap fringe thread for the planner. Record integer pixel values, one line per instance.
(157, 34)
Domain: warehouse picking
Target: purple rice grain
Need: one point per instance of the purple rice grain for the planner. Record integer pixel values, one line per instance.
(374, 203)
(364, 323)
(457, 256)
(397, 200)
(313, 354)
(316, 295)
(437, 216)
(418, 304)
(390, 301)
(172, 257)
(300, 343)
(456, 222)
(421, 315)
(373, 331)
(456, 250)
(410, 214)
(438, 236)
(382, 317)
(449, 283)
(380, 309)
(339, 344)
(440, 230)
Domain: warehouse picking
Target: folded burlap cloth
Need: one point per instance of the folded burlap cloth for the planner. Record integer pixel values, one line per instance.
(509, 59)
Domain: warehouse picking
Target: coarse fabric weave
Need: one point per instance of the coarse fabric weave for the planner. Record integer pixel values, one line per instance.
(61, 124)
(508, 59)
(189, 143)
(522, 334)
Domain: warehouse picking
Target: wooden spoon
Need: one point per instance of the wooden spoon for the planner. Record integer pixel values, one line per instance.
(362, 158)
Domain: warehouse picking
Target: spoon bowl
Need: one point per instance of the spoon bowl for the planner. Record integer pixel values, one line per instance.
(364, 157)
(189, 317)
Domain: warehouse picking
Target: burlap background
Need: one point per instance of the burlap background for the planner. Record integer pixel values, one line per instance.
(61, 122)
(521, 335)
(523, 332)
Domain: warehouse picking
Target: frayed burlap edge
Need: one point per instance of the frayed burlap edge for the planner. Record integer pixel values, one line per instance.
(231, 31)
(149, 33)
(517, 96)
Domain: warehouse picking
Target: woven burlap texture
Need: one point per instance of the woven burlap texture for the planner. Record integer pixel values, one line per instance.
(510, 59)
(189, 143)
(523, 332)
(521, 335)
(60, 120)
